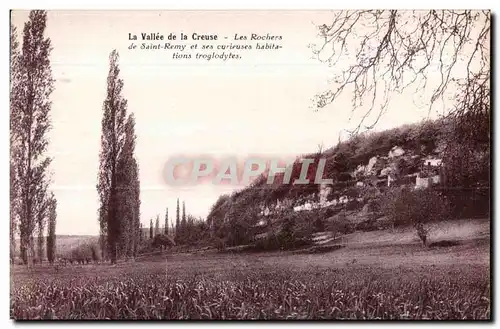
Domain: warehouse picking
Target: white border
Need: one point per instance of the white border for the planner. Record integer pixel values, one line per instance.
(178, 5)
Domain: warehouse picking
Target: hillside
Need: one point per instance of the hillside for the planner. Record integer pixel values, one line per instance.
(364, 170)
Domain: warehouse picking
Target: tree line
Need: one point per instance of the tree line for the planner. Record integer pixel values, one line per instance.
(33, 207)
(187, 230)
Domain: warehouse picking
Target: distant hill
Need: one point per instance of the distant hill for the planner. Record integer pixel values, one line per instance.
(68, 242)
(65, 243)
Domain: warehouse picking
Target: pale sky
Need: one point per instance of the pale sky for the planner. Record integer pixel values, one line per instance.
(261, 104)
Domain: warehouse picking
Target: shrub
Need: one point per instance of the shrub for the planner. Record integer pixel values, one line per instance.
(339, 225)
(162, 241)
(83, 253)
(220, 244)
(353, 205)
(286, 236)
(330, 211)
(268, 243)
(404, 206)
(319, 226)
(367, 225)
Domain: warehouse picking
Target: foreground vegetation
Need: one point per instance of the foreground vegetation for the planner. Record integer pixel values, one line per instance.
(252, 287)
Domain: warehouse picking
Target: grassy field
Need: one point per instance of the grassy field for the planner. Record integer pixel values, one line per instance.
(385, 282)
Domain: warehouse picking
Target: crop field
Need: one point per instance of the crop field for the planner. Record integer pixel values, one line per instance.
(359, 284)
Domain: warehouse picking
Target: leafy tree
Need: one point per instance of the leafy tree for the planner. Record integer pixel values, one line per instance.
(341, 162)
(85, 253)
(219, 208)
(467, 153)
(94, 251)
(31, 87)
(151, 233)
(339, 225)
(112, 141)
(286, 236)
(163, 241)
(416, 207)
(237, 223)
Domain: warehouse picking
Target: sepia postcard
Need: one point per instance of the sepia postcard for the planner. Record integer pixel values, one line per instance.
(250, 165)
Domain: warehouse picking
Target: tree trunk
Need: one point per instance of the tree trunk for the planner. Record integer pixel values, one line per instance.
(112, 250)
(30, 252)
(12, 252)
(24, 255)
(113, 224)
(40, 247)
(113, 253)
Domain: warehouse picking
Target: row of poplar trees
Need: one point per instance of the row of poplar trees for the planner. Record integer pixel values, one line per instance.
(32, 204)
(182, 225)
(155, 230)
(118, 183)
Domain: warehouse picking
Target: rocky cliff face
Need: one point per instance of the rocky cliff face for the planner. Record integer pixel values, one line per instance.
(398, 167)
(361, 167)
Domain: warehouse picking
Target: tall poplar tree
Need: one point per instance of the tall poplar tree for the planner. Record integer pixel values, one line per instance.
(157, 225)
(166, 222)
(128, 189)
(177, 221)
(31, 87)
(14, 138)
(112, 141)
(183, 222)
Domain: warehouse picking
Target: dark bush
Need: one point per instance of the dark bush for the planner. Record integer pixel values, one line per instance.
(162, 241)
(367, 225)
(319, 225)
(353, 205)
(330, 211)
(444, 243)
(339, 225)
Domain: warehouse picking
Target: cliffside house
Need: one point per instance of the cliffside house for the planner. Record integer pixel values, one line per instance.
(433, 162)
